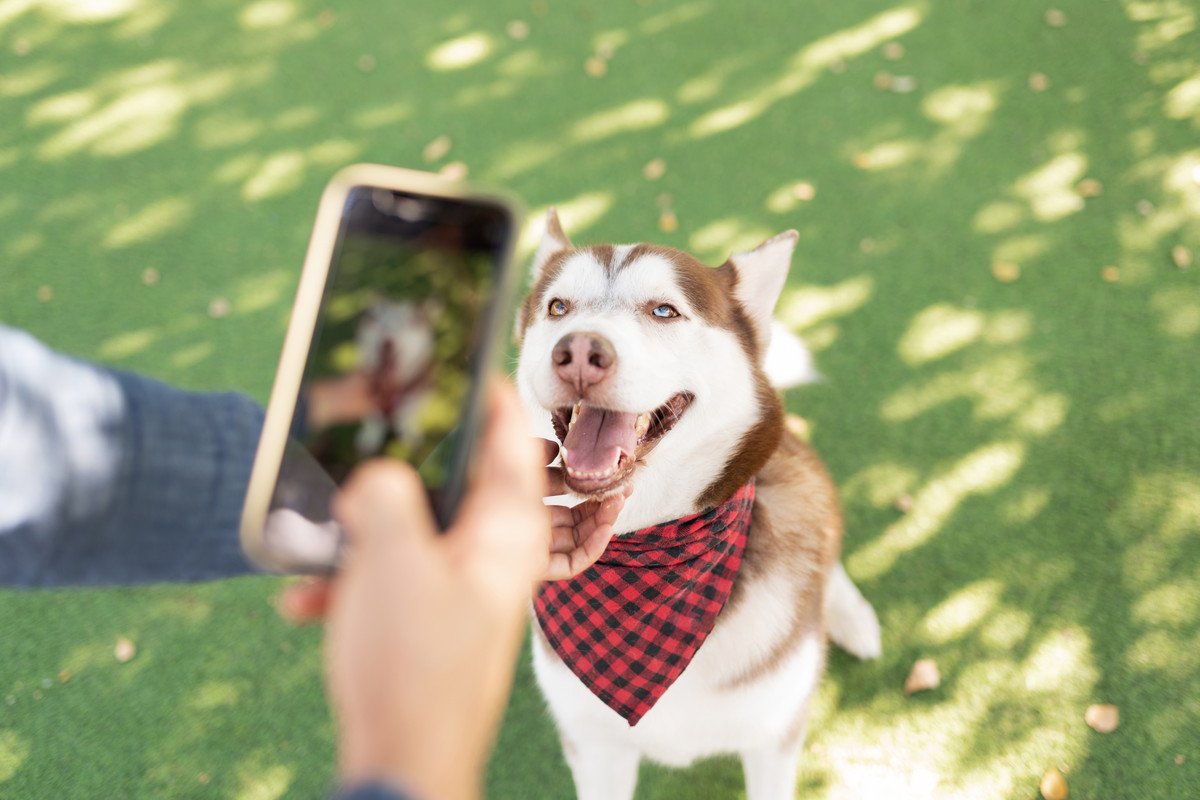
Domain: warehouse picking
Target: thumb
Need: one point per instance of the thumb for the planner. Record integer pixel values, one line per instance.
(503, 518)
(384, 500)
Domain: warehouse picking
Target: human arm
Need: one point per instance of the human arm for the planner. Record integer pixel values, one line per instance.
(112, 478)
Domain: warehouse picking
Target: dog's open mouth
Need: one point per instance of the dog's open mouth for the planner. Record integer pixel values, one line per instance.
(601, 446)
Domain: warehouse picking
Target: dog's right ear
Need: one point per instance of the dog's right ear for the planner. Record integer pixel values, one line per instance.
(553, 241)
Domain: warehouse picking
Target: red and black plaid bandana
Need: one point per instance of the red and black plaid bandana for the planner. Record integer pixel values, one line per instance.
(629, 625)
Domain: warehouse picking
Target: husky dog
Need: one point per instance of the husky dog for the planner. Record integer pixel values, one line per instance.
(396, 350)
(649, 367)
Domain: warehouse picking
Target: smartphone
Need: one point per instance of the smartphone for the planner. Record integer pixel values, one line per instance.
(397, 320)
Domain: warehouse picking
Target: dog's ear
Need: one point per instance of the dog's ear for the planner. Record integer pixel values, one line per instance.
(759, 276)
(553, 241)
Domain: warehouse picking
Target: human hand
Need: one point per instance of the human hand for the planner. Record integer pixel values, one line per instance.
(423, 630)
(578, 536)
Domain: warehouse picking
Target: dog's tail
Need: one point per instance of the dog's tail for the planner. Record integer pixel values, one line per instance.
(788, 361)
(851, 621)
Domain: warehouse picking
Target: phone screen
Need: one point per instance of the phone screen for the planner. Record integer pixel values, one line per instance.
(395, 360)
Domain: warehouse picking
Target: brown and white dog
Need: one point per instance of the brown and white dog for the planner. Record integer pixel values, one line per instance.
(672, 353)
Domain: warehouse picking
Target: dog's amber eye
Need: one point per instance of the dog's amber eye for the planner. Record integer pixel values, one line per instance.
(558, 307)
(664, 311)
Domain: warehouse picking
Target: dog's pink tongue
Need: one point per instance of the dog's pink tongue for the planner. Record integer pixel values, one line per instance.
(595, 442)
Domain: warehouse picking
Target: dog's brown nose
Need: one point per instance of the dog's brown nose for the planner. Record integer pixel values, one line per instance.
(583, 359)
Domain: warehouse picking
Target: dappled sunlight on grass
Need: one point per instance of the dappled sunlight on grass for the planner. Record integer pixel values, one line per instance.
(980, 472)
(997, 268)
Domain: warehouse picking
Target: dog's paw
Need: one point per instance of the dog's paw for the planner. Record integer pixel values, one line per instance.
(851, 620)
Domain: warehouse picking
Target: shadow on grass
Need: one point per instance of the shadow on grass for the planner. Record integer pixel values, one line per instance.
(988, 204)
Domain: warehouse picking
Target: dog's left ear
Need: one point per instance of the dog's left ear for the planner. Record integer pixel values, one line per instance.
(759, 276)
(553, 241)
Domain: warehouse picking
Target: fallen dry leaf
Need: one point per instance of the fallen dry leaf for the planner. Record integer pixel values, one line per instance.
(124, 651)
(437, 149)
(667, 221)
(366, 63)
(1178, 758)
(862, 160)
(454, 171)
(654, 169)
(1089, 187)
(803, 190)
(1055, 18)
(1181, 256)
(45, 294)
(882, 81)
(1054, 785)
(517, 29)
(218, 308)
(893, 51)
(1006, 271)
(798, 426)
(595, 66)
(150, 276)
(1038, 81)
(1102, 718)
(203, 778)
(923, 676)
(64, 676)
(1110, 274)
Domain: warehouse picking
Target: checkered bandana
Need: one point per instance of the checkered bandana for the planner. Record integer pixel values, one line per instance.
(629, 625)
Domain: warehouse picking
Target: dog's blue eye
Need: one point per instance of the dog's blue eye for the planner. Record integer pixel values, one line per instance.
(557, 308)
(664, 311)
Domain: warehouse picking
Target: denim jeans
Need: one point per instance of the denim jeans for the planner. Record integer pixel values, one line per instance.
(112, 478)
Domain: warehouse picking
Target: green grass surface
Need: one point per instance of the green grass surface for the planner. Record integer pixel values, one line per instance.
(1044, 428)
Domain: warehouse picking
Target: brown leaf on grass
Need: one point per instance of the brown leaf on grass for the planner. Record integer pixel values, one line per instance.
(124, 651)
(64, 676)
(654, 169)
(1089, 187)
(454, 171)
(1054, 785)
(1055, 18)
(150, 276)
(1110, 274)
(893, 51)
(1179, 759)
(1181, 256)
(1006, 271)
(437, 149)
(595, 66)
(882, 81)
(219, 307)
(798, 427)
(1102, 718)
(667, 221)
(923, 676)
(45, 294)
(803, 190)
(1038, 81)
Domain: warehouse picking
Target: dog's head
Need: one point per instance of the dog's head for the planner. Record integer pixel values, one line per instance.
(649, 365)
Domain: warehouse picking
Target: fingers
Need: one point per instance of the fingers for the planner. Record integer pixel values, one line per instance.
(304, 602)
(555, 482)
(579, 536)
(551, 449)
(384, 498)
(503, 520)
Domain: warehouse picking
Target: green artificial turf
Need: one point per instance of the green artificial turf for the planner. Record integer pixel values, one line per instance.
(1044, 429)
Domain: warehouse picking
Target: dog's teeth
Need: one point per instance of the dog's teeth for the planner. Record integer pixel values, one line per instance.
(642, 425)
(574, 414)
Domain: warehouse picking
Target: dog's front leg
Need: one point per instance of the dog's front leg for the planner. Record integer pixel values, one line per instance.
(771, 772)
(601, 771)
